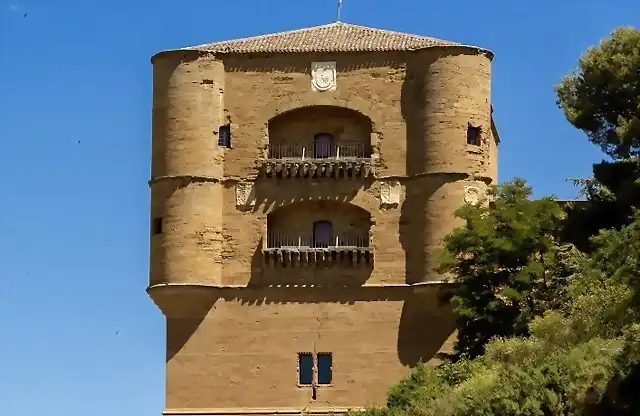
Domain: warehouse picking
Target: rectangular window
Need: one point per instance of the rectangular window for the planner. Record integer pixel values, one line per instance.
(473, 135)
(224, 136)
(325, 364)
(305, 369)
(323, 145)
(157, 226)
(322, 234)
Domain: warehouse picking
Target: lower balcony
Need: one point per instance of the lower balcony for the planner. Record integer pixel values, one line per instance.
(299, 250)
(317, 159)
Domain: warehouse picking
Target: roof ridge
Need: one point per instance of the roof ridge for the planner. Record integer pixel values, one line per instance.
(390, 32)
(264, 35)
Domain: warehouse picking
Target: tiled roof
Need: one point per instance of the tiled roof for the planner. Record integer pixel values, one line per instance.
(334, 37)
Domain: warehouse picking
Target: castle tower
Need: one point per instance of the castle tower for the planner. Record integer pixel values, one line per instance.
(301, 182)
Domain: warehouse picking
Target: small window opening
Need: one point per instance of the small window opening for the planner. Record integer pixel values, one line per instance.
(473, 135)
(325, 371)
(224, 136)
(322, 145)
(157, 226)
(322, 234)
(305, 369)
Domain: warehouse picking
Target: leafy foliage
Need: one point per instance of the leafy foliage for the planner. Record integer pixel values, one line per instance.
(507, 265)
(581, 358)
(618, 254)
(612, 194)
(601, 97)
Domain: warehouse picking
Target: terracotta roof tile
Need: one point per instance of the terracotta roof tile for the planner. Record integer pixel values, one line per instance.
(334, 37)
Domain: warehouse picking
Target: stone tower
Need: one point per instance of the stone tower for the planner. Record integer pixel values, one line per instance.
(300, 184)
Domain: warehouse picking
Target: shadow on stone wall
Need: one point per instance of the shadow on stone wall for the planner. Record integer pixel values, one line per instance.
(300, 63)
(425, 328)
(422, 330)
(273, 194)
(185, 308)
(412, 229)
(423, 213)
(427, 323)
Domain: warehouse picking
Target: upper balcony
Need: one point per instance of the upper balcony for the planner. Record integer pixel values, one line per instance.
(319, 141)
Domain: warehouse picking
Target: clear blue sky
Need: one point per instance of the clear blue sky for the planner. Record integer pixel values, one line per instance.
(78, 334)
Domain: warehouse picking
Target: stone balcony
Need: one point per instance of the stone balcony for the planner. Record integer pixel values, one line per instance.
(308, 160)
(299, 250)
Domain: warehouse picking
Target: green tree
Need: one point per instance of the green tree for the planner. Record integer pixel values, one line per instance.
(601, 96)
(580, 358)
(612, 194)
(506, 264)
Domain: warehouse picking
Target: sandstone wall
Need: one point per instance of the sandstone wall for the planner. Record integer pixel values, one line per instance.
(244, 351)
(413, 110)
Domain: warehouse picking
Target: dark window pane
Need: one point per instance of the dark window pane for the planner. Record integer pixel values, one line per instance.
(224, 136)
(322, 233)
(323, 145)
(324, 368)
(157, 225)
(305, 368)
(473, 135)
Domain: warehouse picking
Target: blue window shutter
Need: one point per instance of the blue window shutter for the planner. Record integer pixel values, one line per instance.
(305, 368)
(325, 371)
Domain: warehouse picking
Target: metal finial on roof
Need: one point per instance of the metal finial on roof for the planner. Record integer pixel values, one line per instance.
(339, 10)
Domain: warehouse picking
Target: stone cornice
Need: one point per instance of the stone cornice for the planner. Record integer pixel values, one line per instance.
(233, 180)
(286, 286)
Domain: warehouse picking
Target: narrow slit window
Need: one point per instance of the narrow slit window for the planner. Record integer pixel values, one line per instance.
(305, 369)
(157, 226)
(325, 371)
(224, 136)
(473, 135)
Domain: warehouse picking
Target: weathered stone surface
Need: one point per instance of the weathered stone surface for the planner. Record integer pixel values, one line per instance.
(471, 195)
(245, 194)
(410, 111)
(390, 192)
(323, 76)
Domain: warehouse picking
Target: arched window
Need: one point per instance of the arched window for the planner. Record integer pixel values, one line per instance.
(322, 145)
(322, 234)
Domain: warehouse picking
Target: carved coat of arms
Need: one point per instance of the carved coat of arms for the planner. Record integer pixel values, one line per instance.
(245, 194)
(471, 195)
(390, 192)
(323, 76)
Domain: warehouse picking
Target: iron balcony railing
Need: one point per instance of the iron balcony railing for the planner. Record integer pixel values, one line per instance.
(315, 151)
(284, 240)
